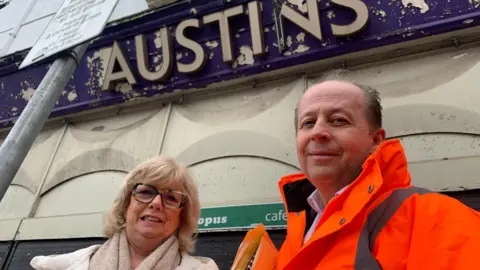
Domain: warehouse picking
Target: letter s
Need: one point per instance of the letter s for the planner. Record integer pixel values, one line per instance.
(361, 10)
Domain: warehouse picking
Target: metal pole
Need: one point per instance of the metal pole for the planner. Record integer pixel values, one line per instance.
(23, 134)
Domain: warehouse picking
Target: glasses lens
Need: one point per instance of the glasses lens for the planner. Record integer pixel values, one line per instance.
(145, 193)
(172, 199)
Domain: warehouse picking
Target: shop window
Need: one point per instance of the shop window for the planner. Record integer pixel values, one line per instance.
(158, 3)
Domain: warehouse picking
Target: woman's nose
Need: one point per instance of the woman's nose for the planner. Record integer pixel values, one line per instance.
(157, 202)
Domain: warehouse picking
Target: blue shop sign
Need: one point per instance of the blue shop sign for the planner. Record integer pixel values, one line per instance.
(192, 44)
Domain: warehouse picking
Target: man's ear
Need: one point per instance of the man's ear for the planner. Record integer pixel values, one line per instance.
(378, 137)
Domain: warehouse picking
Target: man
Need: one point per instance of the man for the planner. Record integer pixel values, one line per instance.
(353, 207)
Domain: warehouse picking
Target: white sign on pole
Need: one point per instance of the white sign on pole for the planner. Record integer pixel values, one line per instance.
(76, 22)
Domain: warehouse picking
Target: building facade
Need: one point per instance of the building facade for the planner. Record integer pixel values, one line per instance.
(214, 84)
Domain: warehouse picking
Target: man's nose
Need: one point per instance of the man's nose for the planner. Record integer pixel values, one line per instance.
(157, 202)
(321, 131)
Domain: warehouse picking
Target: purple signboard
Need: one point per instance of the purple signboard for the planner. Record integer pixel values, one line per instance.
(389, 21)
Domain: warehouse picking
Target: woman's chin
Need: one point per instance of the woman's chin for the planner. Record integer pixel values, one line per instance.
(150, 234)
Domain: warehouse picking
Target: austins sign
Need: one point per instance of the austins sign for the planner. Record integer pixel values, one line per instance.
(119, 69)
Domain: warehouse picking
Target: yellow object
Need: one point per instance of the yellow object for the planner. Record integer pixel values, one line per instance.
(256, 243)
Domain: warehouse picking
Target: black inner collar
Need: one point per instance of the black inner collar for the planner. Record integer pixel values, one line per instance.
(296, 195)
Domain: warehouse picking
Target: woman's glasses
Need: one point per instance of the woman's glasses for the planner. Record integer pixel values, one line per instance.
(145, 193)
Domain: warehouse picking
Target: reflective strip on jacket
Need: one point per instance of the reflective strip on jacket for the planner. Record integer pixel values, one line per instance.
(380, 221)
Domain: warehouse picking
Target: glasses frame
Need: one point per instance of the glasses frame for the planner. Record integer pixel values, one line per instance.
(158, 193)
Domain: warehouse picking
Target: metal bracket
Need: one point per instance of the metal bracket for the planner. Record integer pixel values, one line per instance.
(279, 29)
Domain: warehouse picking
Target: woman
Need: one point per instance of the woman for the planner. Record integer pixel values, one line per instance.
(150, 225)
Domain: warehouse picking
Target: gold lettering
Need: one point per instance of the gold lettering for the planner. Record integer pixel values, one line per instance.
(125, 71)
(256, 28)
(225, 36)
(362, 17)
(167, 55)
(197, 49)
(311, 25)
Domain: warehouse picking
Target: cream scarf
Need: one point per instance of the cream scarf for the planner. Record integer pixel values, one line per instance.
(115, 255)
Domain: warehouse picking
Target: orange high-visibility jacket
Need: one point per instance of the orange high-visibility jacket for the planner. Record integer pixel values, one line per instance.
(380, 221)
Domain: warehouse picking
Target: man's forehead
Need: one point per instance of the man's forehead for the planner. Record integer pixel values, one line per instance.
(335, 91)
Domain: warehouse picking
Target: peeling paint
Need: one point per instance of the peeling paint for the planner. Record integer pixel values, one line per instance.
(158, 67)
(210, 56)
(476, 3)
(158, 87)
(72, 95)
(301, 48)
(127, 90)
(419, 4)
(266, 30)
(212, 44)
(14, 109)
(382, 13)
(245, 57)
(193, 11)
(237, 35)
(301, 37)
(157, 58)
(28, 93)
(179, 56)
(289, 41)
(97, 64)
(300, 4)
(330, 14)
(468, 21)
(158, 40)
(124, 88)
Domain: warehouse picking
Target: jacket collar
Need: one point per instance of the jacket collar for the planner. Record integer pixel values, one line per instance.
(389, 158)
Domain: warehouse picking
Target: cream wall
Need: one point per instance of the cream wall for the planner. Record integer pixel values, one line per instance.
(239, 143)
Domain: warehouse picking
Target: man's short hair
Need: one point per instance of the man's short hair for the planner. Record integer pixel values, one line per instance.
(373, 104)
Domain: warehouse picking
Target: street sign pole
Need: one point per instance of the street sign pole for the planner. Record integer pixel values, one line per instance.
(73, 26)
(23, 134)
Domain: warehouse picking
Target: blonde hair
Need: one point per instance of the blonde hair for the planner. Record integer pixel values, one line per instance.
(160, 171)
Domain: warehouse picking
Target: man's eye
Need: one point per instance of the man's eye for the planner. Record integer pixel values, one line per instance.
(308, 123)
(339, 121)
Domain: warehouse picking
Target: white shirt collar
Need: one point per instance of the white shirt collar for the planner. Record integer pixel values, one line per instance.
(315, 201)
